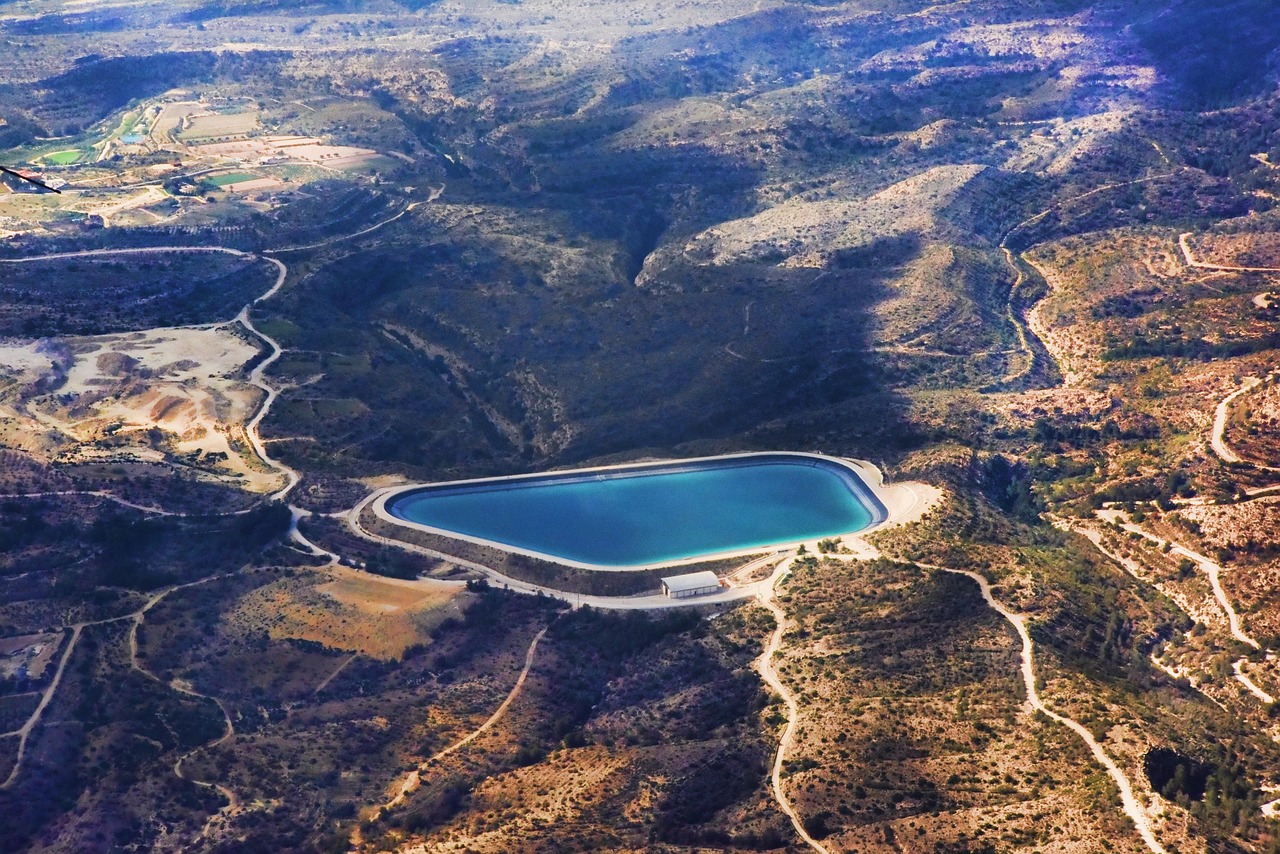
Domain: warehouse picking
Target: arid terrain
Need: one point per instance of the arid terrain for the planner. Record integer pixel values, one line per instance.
(1024, 258)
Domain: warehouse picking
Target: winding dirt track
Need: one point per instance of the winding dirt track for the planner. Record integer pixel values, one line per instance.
(1132, 806)
(1022, 328)
(764, 666)
(256, 375)
(1019, 326)
(256, 378)
(76, 629)
(415, 777)
(98, 493)
(251, 432)
(1218, 442)
(232, 802)
(435, 194)
(230, 730)
(137, 250)
(1190, 258)
(1218, 439)
(1252, 687)
(1212, 569)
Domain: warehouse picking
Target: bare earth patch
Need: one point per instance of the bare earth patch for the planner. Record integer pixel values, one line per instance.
(161, 394)
(344, 609)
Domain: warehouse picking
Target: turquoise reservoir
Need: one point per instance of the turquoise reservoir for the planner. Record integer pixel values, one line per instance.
(651, 515)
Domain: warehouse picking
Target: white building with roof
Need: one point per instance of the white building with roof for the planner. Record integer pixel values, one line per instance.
(691, 584)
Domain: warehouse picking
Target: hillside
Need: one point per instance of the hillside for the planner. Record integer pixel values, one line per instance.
(1023, 253)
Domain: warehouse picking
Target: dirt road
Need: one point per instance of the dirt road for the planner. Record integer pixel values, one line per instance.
(1190, 258)
(1132, 806)
(415, 777)
(764, 666)
(25, 732)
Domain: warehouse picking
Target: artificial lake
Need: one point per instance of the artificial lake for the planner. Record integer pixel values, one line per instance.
(651, 515)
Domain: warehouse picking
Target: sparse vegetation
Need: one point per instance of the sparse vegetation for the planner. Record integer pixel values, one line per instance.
(999, 250)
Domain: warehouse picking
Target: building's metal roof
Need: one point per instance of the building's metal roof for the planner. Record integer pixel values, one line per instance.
(691, 581)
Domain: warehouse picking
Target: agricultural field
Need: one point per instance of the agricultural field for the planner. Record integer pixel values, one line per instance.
(230, 178)
(162, 151)
(217, 126)
(64, 158)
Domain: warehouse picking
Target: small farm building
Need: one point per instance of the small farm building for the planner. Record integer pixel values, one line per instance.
(693, 584)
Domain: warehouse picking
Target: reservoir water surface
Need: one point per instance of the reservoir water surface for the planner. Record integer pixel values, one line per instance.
(651, 515)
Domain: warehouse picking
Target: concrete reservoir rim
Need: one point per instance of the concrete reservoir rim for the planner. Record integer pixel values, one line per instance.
(862, 478)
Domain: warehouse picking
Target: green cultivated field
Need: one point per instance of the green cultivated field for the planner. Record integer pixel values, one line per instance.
(231, 178)
(64, 158)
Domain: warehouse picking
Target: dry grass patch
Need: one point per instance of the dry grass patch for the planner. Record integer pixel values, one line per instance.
(344, 609)
(374, 595)
(218, 126)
